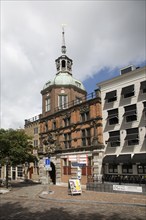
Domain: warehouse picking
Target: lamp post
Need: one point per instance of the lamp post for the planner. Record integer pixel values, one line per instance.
(7, 164)
(26, 169)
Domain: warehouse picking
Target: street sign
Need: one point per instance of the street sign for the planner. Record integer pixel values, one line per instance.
(47, 162)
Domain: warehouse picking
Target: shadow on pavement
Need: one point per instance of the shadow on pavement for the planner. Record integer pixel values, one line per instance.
(15, 211)
(24, 183)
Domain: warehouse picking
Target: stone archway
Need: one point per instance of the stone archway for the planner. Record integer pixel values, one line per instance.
(52, 173)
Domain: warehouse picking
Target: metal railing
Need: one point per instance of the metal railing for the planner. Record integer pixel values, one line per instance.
(83, 98)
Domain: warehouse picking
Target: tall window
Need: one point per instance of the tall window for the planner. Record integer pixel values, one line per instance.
(66, 121)
(86, 137)
(36, 130)
(19, 171)
(62, 101)
(67, 140)
(66, 167)
(54, 125)
(85, 116)
(63, 64)
(47, 104)
(35, 143)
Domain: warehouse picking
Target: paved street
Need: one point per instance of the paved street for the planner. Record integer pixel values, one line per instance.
(28, 202)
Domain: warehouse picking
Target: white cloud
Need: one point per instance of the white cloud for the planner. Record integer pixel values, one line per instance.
(98, 34)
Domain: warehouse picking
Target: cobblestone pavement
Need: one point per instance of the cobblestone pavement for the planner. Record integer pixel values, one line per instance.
(28, 202)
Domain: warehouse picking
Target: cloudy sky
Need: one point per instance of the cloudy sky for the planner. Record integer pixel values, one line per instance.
(101, 37)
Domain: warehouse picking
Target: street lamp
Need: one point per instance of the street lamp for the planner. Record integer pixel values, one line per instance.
(7, 165)
(26, 170)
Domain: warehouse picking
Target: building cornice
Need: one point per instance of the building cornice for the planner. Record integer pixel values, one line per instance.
(124, 77)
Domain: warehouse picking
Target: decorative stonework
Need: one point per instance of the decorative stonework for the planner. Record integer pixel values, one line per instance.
(84, 108)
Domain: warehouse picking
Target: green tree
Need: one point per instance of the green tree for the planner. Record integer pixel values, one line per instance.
(15, 145)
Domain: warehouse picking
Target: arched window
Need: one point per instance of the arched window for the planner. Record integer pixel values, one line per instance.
(63, 63)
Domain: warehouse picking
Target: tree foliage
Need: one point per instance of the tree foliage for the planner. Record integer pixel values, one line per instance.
(15, 145)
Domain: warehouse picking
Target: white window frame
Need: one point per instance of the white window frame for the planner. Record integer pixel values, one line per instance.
(19, 171)
(62, 101)
(35, 143)
(47, 104)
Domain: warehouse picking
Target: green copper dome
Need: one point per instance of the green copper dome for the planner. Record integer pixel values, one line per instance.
(64, 71)
(63, 79)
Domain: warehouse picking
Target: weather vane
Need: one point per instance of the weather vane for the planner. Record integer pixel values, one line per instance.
(63, 25)
(63, 48)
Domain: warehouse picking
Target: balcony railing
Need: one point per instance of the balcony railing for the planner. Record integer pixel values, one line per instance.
(83, 98)
(33, 119)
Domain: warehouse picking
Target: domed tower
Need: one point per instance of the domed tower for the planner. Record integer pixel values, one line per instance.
(64, 90)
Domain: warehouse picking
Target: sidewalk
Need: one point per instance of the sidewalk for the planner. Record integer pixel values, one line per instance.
(60, 194)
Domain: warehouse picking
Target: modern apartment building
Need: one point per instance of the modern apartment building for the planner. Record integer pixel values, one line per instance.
(124, 125)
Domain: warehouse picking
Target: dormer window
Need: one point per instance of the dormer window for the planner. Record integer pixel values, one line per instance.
(78, 84)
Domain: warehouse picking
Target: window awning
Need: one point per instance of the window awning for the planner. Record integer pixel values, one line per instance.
(112, 113)
(131, 137)
(124, 158)
(143, 85)
(127, 90)
(139, 158)
(128, 113)
(113, 139)
(110, 95)
(111, 159)
(144, 104)
(112, 116)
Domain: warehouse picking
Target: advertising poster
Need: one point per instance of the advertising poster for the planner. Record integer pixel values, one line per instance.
(74, 186)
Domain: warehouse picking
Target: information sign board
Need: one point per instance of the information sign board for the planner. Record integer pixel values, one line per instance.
(74, 186)
(47, 162)
(127, 188)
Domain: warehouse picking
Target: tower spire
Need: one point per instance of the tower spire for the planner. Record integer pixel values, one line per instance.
(63, 47)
